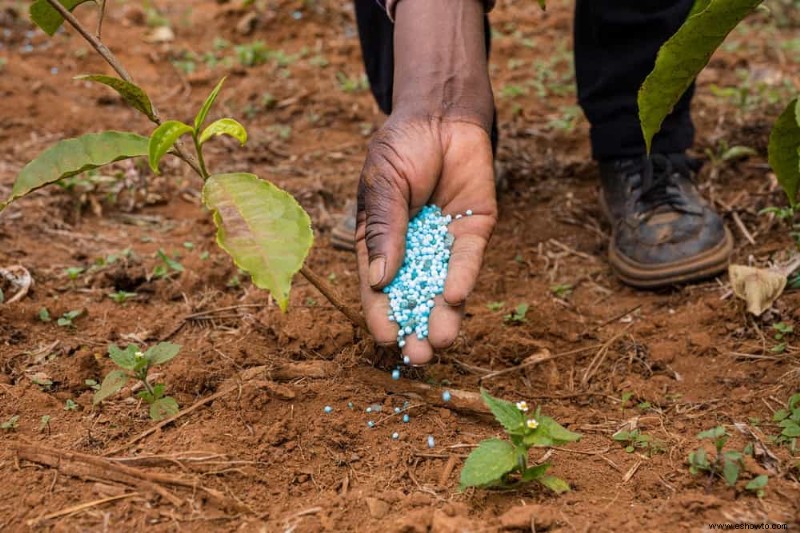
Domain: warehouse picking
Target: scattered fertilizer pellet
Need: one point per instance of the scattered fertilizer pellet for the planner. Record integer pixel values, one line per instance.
(446, 396)
(395, 435)
(422, 275)
(431, 442)
(396, 374)
(368, 409)
(406, 360)
(396, 409)
(371, 423)
(350, 405)
(469, 212)
(328, 409)
(406, 418)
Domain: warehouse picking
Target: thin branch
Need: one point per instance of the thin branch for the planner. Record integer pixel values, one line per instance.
(333, 297)
(92, 40)
(100, 16)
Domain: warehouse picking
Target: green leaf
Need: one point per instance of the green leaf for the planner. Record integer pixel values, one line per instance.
(699, 5)
(162, 352)
(113, 382)
(791, 430)
(730, 471)
(757, 483)
(556, 484)
(550, 433)
(200, 119)
(124, 358)
(543, 4)
(132, 94)
(712, 433)
(488, 463)
(163, 138)
(263, 228)
(735, 153)
(47, 18)
(224, 126)
(794, 399)
(72, 156)
(535, 472)
(505, 412)
(780, 414)
(784, 143)
(683, 56)
(164, 408)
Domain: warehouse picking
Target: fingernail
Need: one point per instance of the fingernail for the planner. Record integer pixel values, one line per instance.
(377, 269)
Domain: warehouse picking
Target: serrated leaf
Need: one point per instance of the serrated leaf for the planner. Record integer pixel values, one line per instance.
(791, 430)
(511, 418)
(123, 358)
(162, 352)
(556, 484)
(683, 56)
(550, 433)
(163, 138)
(780, 414)
(132, 94)
(263, 228)
(488, 463)
(730, 471)
(47, 18)
(224, 126)
(200, 118)
(782, 150)
(113, 382)
(72, 156)
(164, 408)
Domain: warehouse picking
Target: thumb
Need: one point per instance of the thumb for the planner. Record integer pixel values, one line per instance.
(383, 203)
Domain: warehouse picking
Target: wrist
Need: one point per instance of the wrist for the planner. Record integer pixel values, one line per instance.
(441, 67)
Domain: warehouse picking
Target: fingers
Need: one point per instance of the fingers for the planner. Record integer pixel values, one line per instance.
(466, 258)
(444, 323)
(419, 352)
(375, 303)
(383, 204)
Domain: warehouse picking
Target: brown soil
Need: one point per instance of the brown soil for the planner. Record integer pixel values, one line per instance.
(262, 456)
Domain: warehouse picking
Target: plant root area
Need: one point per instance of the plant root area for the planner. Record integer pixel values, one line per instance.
(253, 448)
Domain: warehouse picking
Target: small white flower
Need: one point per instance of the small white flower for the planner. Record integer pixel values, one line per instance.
(522, 406)
(532, 423)
(138, 355)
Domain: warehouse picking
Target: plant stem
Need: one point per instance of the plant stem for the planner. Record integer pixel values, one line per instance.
(333, 297)
(112, 60)
(199, 150)
(100, 15)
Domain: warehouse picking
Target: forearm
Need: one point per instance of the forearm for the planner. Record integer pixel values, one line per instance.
(440, 61)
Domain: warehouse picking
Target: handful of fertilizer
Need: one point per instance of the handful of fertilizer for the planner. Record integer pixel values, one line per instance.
(423, 273)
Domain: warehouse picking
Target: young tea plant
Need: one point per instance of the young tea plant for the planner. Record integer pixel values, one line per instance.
(504, 464)
(135, 364)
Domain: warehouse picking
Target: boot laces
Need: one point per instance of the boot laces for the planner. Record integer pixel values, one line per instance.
(660, 190)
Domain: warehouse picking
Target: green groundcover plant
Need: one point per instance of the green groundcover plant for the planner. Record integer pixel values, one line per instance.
(501, 463)
(263, 228)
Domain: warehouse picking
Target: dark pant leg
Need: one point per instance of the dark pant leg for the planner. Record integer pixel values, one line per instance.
(376, 34)
(616, 42)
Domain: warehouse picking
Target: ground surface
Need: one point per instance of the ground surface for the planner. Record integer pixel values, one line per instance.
(262, 456)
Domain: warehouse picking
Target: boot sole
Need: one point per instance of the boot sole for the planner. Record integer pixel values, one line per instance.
(644, 276)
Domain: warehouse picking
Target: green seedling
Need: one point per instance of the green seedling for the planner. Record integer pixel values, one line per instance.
(495, 306)
(67, 320)
(517, 316)
(168, 265)
(498, 463)
(121, 297)
(561, 290)
(44, 423)
(70, 405)
(789, 421)
(636, 440)
(725, 464)
(92, 384)
(135, 364)
(44, 315)
(781, 331)
(352, 85)
(10, 424)
(73, 272)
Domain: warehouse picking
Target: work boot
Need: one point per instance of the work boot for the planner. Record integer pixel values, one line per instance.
(664, 232)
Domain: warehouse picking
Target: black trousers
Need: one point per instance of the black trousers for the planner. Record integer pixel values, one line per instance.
(616, 42)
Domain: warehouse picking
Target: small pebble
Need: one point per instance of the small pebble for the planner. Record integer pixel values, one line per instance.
(395, 374)
(371, 423)
(431, 442)
(328, 409)
(406, 419)
(446, 396)
(395, 435)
